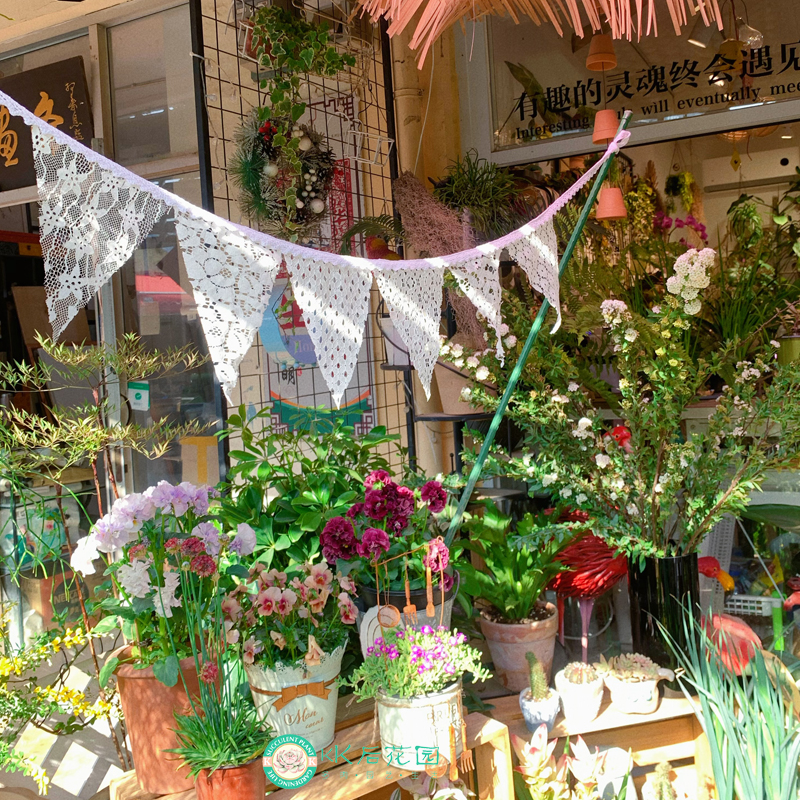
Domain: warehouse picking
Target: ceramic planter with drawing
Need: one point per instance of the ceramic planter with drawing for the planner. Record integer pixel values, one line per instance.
(299, 699)
(539, 703)
(581, 688)
(632, 679)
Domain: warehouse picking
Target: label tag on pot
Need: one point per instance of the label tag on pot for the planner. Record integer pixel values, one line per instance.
(139, 396)
(290, 761)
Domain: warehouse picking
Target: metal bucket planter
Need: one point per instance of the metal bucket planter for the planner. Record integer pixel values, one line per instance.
(299, 699)
(421, 725)
(508, 644)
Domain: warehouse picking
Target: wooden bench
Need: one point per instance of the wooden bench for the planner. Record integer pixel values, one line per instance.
(672, 733)
(346, 779)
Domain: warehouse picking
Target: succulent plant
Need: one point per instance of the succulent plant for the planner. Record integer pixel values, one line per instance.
(630, 667)
(661, 787)
(578, 672)
(539, 687)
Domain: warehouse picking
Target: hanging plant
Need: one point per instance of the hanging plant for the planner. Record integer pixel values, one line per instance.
(283, 168)
(681, 185)
(283, 182)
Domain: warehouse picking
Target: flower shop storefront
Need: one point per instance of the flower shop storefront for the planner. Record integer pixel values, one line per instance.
(595, 598)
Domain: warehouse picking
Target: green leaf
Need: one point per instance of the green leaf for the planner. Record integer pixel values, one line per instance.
(106, 671)
(238, 571)
(106, 625)
(167, 670)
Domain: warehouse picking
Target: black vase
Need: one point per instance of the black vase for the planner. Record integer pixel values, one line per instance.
(660, 595)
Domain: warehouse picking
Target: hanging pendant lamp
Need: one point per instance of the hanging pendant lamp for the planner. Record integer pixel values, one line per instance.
(611, 204)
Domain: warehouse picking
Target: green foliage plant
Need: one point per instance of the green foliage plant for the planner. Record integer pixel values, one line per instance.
(519, 565)
(538, 680)
(287, 485)
(752, 732)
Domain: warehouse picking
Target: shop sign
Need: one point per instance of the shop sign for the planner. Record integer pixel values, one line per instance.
(546, 91)
(56, 93)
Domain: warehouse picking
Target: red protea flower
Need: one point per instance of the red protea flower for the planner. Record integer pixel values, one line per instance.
(203, 565)
(173, 545)
(193, 546)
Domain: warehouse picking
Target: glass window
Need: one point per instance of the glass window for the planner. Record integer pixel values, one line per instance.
(79, 46)
(158, 304)
(152, 87)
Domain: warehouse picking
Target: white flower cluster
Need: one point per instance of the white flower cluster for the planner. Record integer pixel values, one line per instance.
(584, 429)
(615, 312)
(692, 274)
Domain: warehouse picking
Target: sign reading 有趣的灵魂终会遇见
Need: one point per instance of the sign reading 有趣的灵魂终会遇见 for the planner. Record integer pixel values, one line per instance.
(56, 93)
(541, 87)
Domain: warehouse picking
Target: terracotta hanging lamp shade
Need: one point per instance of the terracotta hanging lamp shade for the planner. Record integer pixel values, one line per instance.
(606, 123)
(601, 53)
(626, 19)
(611, 204)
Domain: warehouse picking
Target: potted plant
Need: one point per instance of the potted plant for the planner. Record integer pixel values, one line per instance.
(539, 703)
(291, 629)
(581, 688)
(161, 537)
(221, 737)
(401, 523)
(790, 341)
(632, 680)
(415, 677)
(508, 588)
(650, 492)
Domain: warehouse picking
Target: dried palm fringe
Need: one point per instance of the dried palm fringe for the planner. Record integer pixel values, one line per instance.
(624, 17)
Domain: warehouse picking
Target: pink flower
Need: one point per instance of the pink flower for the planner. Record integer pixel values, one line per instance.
(373, 544)
(192, 546)
(437, 557)
(231, 608)
(376, 504)
(354, 510)
(318, 600)
(173, 545)
(434, 494)
(209, 672)
(274, 578)
(207, 532)
(231, 634)
(347, 609)
(286, 603)
(137, 551)
(320, 577)
(314, 653)
(244, 542)
(346, 583)
(338, 539)
(300, 588)
(278, 638)
(267, 601)
(404, 504)
(251, 648)
(378, 476)
(203, 565)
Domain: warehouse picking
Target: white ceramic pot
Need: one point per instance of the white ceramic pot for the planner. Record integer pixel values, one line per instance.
(636, 697)
(413, 724)
(536, 712)
(299, 699)
(581, 701)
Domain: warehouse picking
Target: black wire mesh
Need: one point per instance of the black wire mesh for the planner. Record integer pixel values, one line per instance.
(350, 111)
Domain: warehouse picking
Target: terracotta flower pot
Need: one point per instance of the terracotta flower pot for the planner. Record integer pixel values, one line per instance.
(246, 782)
(149, 708)
(508, 644)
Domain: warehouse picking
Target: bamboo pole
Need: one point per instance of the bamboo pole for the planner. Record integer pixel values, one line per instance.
(526, 350)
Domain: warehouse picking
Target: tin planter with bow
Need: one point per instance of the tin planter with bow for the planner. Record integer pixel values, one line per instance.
(299, 699)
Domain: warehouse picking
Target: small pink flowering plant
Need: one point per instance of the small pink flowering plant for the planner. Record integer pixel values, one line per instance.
(389, 521)
(274, 617)
(411, 663)
(166, 552)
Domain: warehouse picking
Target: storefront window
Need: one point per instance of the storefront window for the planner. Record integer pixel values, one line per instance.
(158, 304)
(152, 87)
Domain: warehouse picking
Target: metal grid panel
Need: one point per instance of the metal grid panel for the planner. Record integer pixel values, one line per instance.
(351, 112)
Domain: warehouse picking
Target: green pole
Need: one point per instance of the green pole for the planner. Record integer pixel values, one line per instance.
(526, 350)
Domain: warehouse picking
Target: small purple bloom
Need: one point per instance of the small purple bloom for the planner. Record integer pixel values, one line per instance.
(208, 533)
(370, 651)
(426, 629)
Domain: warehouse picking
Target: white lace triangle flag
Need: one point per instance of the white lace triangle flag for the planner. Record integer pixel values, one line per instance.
(479, 279)
(231, 278)
(537, 253)
(414, 299)
(91, 221)
(334, 300)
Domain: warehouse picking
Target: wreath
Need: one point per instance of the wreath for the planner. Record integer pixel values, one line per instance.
(283, 181)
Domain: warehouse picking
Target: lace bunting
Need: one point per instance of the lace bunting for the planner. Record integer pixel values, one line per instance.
(414, 299)
(91, 222)
(232, 279)
(335, 303)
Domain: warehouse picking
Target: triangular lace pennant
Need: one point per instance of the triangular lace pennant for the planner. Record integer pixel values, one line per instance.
(537, 253)
(414, 299)
(91, 222)
(232, 279)
(334, 300)
(479, 279)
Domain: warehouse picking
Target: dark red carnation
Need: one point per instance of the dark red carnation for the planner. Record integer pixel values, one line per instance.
(438, 556)
(434, 494)
(355, 510)
(338, 540)
(376, 504)
(378, 476)
(203, 565)
(396, 525)
(373, 543)
(193, 546)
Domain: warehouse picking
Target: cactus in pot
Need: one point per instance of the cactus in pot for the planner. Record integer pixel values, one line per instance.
(581, 688)
(539, 703)
(633, 680)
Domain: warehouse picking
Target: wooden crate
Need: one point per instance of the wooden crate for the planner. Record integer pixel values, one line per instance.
(672, 733)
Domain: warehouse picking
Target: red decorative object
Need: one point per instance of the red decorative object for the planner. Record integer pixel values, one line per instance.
(611, 204)
(340, 203)
(606, 123)
(734, 639)
(710, 567)
(601, 53)
(594, 569)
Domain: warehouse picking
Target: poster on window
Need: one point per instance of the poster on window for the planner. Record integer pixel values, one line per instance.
(541, 88)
